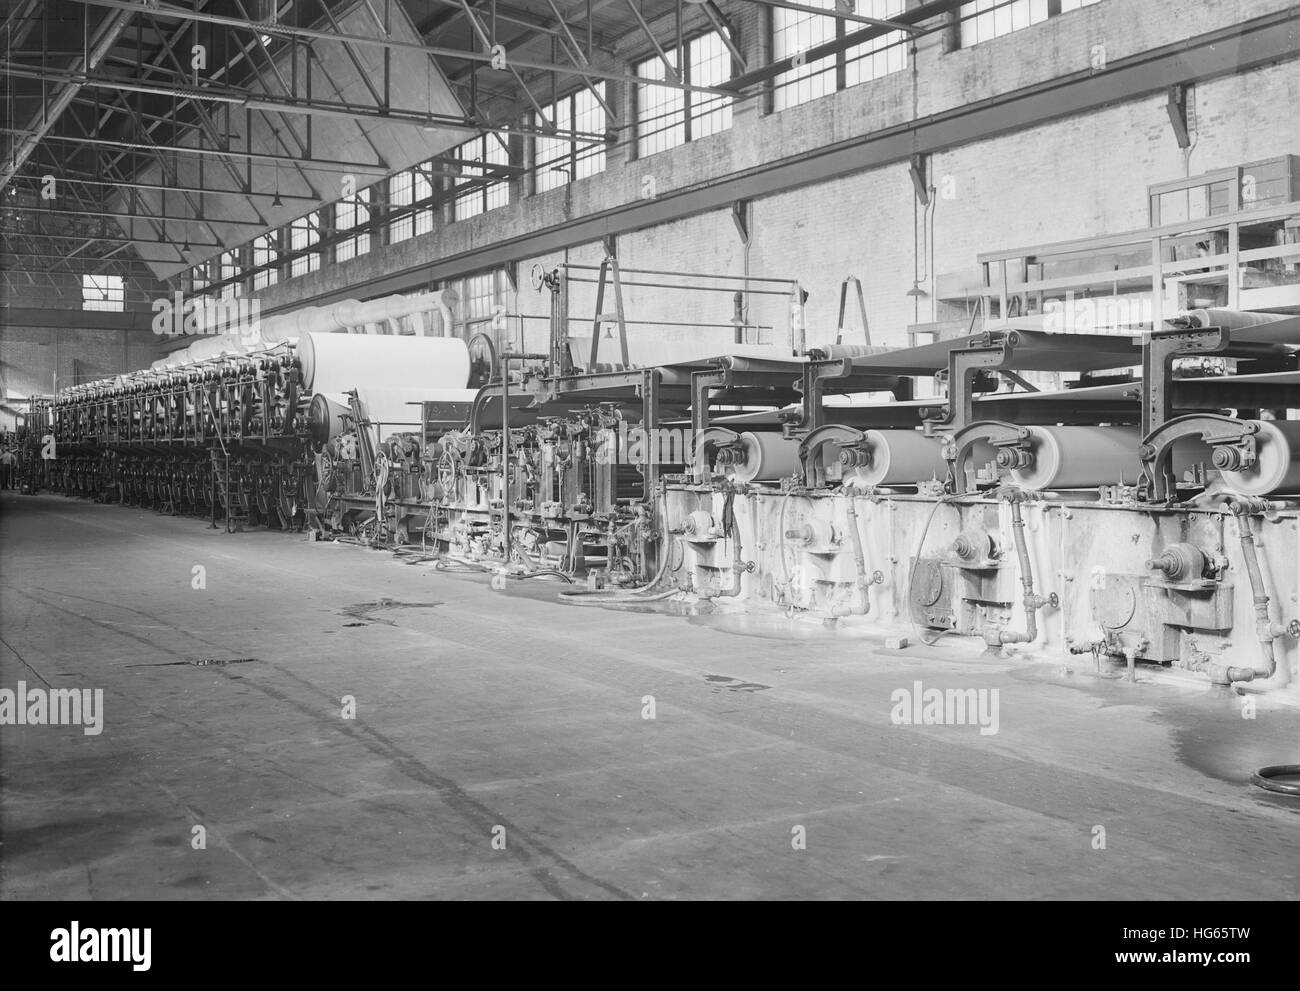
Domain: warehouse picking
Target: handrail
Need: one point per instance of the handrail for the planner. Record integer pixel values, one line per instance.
(1143, 238)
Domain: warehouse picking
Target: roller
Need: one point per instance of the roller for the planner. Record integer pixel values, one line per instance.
(340, 362)
(1277, 464)
(768, 457)
(833, 351)
(326, 417)
(1080, 457)
(1228, 319)
(897, 457)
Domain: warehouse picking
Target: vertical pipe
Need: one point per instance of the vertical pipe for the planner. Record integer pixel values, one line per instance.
(505, 451)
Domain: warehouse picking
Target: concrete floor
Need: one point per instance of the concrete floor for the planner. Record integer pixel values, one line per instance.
(477, 709)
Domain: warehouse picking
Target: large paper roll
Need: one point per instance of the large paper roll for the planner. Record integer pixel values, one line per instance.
(768, 457)
(342, 362)
(399, 410)
(1277, 465)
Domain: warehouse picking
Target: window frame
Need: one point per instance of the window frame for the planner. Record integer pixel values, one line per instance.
(969, 20)
(484, 192)
(112, 298)
(787, 86)
(309, 254)
(265, 273)
(686, 115)
(577, 153)
(360, 207)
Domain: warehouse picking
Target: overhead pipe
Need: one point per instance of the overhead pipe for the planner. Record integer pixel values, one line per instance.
(348, 313)
(330, 319)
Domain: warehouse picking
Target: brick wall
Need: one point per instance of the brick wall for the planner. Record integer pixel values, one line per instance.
(79, 347)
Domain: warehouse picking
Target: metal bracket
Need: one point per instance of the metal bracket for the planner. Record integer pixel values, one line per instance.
(1004, 436)
(810, 449)
(963, 368)
(1162, 347)
(1177, 107)
(814, 375)
(1223, 433)
(711, 439)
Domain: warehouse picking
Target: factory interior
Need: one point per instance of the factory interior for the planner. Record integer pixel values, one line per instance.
(650, 450)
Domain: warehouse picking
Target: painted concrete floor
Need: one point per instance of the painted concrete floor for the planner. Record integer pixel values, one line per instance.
(478, 709)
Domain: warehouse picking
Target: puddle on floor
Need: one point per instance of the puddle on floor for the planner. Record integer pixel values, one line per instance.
(364, 611)
(720, 681)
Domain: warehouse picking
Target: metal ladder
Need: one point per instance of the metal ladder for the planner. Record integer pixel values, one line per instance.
(232, 499)
(235, 518)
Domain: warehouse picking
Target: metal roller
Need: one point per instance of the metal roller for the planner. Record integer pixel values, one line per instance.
(895, 457)
(834, 351)
(1230, 319)
(1277, 461)
(768, 457)
(326, 417)
(1079, 458)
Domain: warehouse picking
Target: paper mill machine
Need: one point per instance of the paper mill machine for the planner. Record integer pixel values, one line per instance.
(1135, 497)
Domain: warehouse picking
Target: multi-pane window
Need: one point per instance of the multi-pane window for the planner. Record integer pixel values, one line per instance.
(879, 56)
(479, 296)
(709, 64)
(561, 159)
(199, 279)
(660, 110)
(265, 256)
(228, 273)
(103, 292)
(798, 31)
(405, 189)
(667, 117)
(401, 189)
(350, 213)
(475, 194)
(303, 234)
(985, 19)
